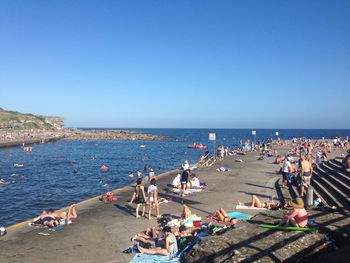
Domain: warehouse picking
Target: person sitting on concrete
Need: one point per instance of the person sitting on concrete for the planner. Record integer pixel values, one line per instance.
(177, 181)
(170, 247)
(222, 215)
(298, 217)
(186, 212)
(195, 183)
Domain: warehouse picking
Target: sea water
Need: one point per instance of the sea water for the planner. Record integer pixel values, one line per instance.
(65, 172)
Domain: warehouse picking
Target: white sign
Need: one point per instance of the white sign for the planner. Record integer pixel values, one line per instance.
(277, 133)
(253, 132)
(212, 136)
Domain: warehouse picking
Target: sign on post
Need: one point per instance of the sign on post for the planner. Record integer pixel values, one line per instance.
(277, 133)
(253, 132)
(212, 136)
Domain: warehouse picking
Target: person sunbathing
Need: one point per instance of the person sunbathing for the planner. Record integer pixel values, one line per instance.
(51, 218)
(186, 212)
(170, 247)
(222, 215)
(257, 203)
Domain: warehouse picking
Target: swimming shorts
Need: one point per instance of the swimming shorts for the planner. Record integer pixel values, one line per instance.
(47, 219)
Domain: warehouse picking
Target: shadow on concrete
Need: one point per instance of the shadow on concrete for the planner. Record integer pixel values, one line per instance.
(262, 186)
(126, 209)
(259, 195)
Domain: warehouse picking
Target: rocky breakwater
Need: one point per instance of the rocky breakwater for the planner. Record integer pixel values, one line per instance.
(77, 134)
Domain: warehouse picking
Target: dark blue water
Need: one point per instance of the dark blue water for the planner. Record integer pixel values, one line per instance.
(58, 174)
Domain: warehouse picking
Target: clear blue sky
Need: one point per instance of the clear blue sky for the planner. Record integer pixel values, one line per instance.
(192, 64)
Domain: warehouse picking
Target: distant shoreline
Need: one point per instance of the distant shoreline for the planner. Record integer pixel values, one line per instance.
(35, 137)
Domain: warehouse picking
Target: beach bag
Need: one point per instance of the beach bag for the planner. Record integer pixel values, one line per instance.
(108, 197)
(165, 219)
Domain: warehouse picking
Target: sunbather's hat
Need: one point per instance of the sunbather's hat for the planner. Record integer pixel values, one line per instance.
(297, 203)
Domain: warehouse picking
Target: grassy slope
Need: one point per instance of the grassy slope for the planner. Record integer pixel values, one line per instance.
(22, 120)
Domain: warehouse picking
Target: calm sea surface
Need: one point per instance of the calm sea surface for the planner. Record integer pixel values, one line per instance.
(58, 174)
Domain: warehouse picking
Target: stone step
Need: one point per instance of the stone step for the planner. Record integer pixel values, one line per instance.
(336, 165)
(332, 190)
(325, 194)
(339, 174)
(342, 186)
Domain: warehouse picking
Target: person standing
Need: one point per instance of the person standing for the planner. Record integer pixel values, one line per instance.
(152, 193)
(286, 167)
(184, 180)
(306, 173)
(139, 197)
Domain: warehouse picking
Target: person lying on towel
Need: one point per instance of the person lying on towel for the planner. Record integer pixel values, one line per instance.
(222, 215)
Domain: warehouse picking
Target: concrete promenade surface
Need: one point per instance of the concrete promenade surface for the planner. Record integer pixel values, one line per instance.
(103, 231)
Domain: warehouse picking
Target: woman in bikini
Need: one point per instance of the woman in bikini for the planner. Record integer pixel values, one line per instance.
(222, 215)
(257, 203)
(186, 212)
(139, 197)
(52, 218)
(170, 249)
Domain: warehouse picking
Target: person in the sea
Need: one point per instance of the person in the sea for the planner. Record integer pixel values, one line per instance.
(170, 248)
(51, 218)
(152, 193)
(139, 197)
(222, 215)
(298, 217)
(139, 174)
(259, 204)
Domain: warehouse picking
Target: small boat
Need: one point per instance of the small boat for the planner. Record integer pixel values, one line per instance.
(104, 168)
(197, 146)
(142, 146)
(20, 165)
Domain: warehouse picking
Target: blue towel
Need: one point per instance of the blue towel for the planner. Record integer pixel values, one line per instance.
(145, 258)
(239, 215)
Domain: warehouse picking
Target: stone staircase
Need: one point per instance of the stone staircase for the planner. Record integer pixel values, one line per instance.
(331, 183)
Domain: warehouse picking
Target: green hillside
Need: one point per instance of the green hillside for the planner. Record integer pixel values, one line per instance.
(20, 121)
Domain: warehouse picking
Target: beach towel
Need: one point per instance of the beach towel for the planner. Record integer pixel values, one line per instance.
(36, 225)
(240, 216)
(188, 191)
(249, 207)
(146, 258)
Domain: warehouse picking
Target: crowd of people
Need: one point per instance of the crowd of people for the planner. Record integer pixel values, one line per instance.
(174, 234)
